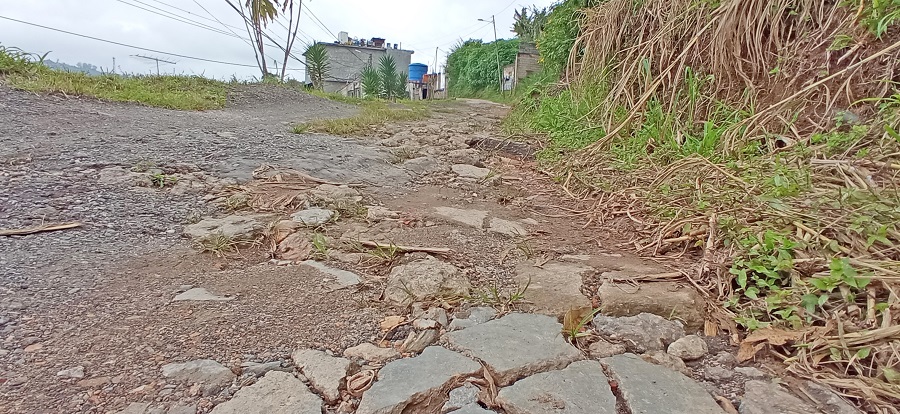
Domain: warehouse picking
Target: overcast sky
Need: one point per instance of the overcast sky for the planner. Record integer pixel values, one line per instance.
(415, 24)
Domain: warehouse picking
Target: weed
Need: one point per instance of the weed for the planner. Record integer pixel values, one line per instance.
(161, 180)
(404, 153)
(371, 113)
(388, 253)
(574, 323)
(502, 299)
(348, 209)
(144, 166)
(218, 244)
(236, 202)
(525, 247)
(320, 243)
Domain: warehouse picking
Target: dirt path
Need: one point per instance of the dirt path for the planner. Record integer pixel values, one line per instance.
(101, 296)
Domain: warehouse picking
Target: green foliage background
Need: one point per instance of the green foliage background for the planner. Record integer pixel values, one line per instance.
(472, 65)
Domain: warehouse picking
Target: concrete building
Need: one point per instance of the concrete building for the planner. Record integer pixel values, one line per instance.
(527, 62)
(348, 57)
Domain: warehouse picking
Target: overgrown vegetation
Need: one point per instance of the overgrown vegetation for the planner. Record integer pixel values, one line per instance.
(384, 82)
(26, 71)
(472, 66)
(759, 138)
(371, 113)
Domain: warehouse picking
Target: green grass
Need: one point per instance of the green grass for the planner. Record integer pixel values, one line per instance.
(26, 71)
(371, 113)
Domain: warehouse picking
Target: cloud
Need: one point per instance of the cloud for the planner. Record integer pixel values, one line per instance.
(414, 24)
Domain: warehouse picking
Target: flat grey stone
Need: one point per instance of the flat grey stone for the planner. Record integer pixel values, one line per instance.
(715, 373)
(417, 384)
(371, 353)
(325, 373)
(276, 393)
(666, 299)
(182, 409)
(202, 371)
(642, 333)
(343, 278)
(136, 408)
(260, 369)
(423, 165)
(506, 227)
(751, 372)
(472, 409)
(652, 389)
(763, 397)
(604, 349)
(477, 316)
(313, 217)
(470, 171)
(554, 288)
(200, 295)
(473, 218)
(662, 358)
(516, 346)
(689, 348)
(424, 279)
(579, 388)
(74, 372)
(827, 400)
(461, 397)
(234, 227)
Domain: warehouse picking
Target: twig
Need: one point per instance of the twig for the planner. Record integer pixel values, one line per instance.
(406, 249)
(38, 229)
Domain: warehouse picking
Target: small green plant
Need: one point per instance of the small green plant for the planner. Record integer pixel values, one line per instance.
(218, 244)
(841, 42)
(525, 247)
(386, 253)
(574, 323)
(841, 273)
(317, 64)
(499, 298)
(161, 180)
(320, 243)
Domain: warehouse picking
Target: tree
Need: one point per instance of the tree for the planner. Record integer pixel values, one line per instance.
(257, 14)
(317, 64)
(528, 26)
(371, 82)
(384, 82)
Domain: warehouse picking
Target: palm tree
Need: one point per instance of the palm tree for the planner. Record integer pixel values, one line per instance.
(317, 64)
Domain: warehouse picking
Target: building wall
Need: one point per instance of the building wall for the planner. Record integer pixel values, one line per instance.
(527, 60)
(347, 62)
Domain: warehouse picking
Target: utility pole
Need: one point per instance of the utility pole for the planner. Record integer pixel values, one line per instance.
(497, 47)
(114, 65)
(157, 60)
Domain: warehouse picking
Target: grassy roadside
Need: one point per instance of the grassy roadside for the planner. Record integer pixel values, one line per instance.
(371, 113)
(26, 71)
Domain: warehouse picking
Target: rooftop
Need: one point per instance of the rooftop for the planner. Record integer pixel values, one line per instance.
(362, 47)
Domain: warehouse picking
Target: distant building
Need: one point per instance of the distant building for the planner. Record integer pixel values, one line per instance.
(527, 63)
(348, 57)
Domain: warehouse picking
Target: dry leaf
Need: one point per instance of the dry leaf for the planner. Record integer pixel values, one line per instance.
(748, 350)
(572, 321)
(360, 382)
(391, 322)
(773, 336)
(283, 229)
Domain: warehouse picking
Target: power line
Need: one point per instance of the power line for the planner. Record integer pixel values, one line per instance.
(177, 18)
(322, 25)
(194, 14)
(131, 46)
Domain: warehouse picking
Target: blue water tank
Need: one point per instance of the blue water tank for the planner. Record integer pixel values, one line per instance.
(417, 71)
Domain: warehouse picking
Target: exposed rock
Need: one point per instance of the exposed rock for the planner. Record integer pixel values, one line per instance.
(666, 299)
(827, 400)
(476, 316)
(425, 278)
(751, 372)
(201, 295)
(554, 288)
(370, 352)
(74, 372)
(717, 373)
(725, 359)
(325, 373)
(473, 218)
(211, 374)
(234, 227)
(671, 362)
(472, 409)
(506, 227)
(182, 409)
(642, 333)
(470, 171)
(423, 165)
(418, 341)
(136, 408)
(93, 382)
(423, 324)
(335, 194)
(762, 397)
(343, 278)
(313, 217)
(579, 388)
(294, 248)
(461, 397)
(283, 229)
(260, 369)
(689, 348)
(650, 389)
(276, 393)
(417, 384)
(378, 213)
(438, 315)
(121, 176)
(605, 349)
(516, 346)
(466, 156)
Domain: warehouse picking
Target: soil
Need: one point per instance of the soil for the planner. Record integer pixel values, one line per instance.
(100, 296)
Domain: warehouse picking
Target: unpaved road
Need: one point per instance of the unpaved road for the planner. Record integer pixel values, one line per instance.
(100, 296)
